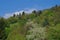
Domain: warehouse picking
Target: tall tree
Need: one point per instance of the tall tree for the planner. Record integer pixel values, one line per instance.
(23, 13)
(14, 15)
(34, 11)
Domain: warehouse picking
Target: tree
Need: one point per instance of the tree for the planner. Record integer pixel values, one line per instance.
(34, 11)
(14, 15)
(23, 13)
(2, 28)
(46, 22)
(39, 12)
(56, 5)
(19, 16)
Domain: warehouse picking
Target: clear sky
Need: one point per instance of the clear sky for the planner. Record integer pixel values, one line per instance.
(9, 6)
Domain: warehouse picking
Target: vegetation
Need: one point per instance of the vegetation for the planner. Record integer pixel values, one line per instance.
(38, 25)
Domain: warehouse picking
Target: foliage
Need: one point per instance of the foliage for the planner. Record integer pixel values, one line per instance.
(35, 32)
(3, 24)
(38, 25)
(16, 32)
(54, 33)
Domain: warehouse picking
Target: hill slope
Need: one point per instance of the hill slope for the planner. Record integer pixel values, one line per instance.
(39, 25)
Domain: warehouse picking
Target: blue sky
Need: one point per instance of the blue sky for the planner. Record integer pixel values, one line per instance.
(9, 6)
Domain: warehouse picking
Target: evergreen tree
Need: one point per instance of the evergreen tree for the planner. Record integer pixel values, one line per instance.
(23, 13)
(14, 15)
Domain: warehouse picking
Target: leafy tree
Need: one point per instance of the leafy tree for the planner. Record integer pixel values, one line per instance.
(3, 24)
(45, 23)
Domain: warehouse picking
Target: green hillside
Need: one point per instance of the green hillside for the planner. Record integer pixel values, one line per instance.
(38, 25)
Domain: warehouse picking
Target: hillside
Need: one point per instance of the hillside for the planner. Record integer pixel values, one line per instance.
(39, 25)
